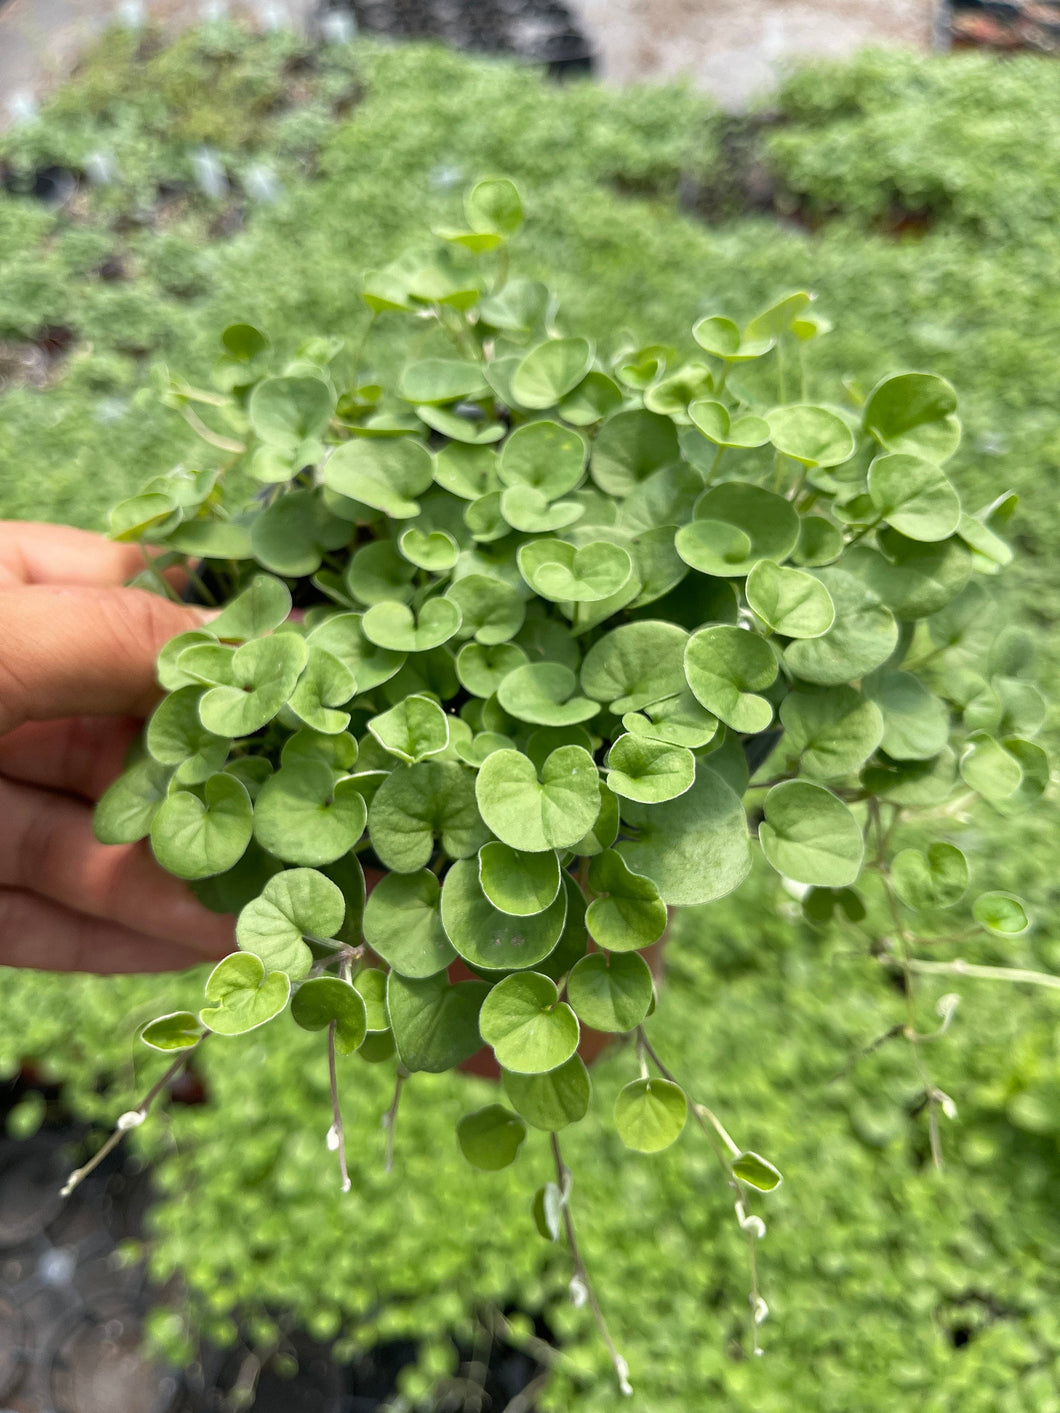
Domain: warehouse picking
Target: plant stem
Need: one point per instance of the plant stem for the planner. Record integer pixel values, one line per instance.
(78, 1176)
(563, 1178)
(336, 1113)
(959, 967)
(390, 1117)
(200, 428)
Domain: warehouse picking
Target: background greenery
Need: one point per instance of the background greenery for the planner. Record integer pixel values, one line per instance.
(888, 1284)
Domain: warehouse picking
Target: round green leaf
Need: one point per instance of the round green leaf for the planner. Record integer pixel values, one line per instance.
(326, 683)
(735, 526)
(296, 903)
(545, 456)
(718, 426)
(292, 535)
(834, 730)
(325, 1000)
(414, 729)
(435, 1023)
(371, 986)
(914, 496)
(262, 606)
(629, 447)
(911, 578)
(518, 883)
(756, 1171)
(403, 924)
(469, 429)
(863, 636)
(126, 809)
(490, 1138)
(491, 611)
(543, 694)
(489, 938)
(550, 371)
(377, 573)
(791, 603)
(935, 879)
(290, 410)
(725, 667)
(811, 836)
(560, 572)
(527, 509)
(265, 672)
(810, 435)
(482, 667)
(531, 1030)
(535, 815)
(694, 848)
(610, 993)
(194, 837)
(721, 338)
(435, 551)
(242, 996)
(1002, 913)
(916, 723)
(466, 471)
(441, 380)
(820, 542)
(627, 914)
(635, 664)
(178, 1031)
(591, 401)
(679, 720)
(649, 771)
(415, 804)
(176, 737)
(304, 816)
(494, 205)
(914, 413)
(384, 473)
(988, 768)
(650, 1114)
(553, 1100)
(394, 626)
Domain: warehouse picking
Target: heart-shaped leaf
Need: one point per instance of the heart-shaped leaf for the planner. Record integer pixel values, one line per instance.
(544, 456)
(788, 601)
(591, 401)
(326, 683)
(242, 996)
(415, 804)
(327, 1000)
(811, 836)
(441, 380)
(610, 993)
(527, 509)
(304, 816)
(987, 767)
(414, 729)
(489, 938)
(341, 636)
(627, 914)
(194, 837)
(833, 730)
(466, 471)
(565, 574)
(725, 667)
(265, 672)
(679, 720)
(735, 526)
(650, 1114)
(482, 667)
(126, 809)
(543, 693)
(935, 879)
(435, 551)
(535, 815)
(635, 665)
(262, 606)
(916, 723)
(552, 1100)
(1001, 913)
(490, 1138)
(863, 636)
(296, 903)
(385, 473)
(181, 1030)
(518, 883)
(810, 435)
(394, 626)
(531, 1030)
(494, 205)
(915, 496)
(286, 411)
(649, 771)
(721, 338)
(403, 924)
(491, 611)
(292, 535)
(718, 426)
(435, 1024)
(550, 370)
(914, 413)
(629, 447)
(176, 737)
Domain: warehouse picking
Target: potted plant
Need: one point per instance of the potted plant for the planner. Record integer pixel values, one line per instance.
(544, 640)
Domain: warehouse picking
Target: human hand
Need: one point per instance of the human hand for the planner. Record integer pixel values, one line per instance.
(77, 676)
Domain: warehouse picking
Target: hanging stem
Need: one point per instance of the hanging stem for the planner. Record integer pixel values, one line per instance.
(129, 1120)
(390, 1117)
(336, 1114)
(563, 1180)
(959, 967)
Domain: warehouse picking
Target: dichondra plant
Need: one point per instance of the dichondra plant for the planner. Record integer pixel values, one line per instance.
(543, 640)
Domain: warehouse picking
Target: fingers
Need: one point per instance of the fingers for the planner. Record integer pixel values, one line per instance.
(82, 651)
(81, 755)
(58, 554)
(37, 933)
(47, 847)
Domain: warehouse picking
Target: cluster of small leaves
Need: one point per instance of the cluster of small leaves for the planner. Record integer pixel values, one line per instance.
(556, 608)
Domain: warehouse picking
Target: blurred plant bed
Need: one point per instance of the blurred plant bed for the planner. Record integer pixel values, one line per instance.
(83, 1329)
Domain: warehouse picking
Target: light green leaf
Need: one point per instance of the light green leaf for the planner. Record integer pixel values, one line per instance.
(679, 720)
(914, 496)
(820, 542)
(914, 413)
(532, 814)
(415, 804)
(627, 914)
(863, 636)
(629, 447)
(721, 338)
(545, 456)
(194, 837)
(650, 1114)
(550, 371)
(552, 1100)
(490, 1138)
(385, 473)
(265, 672)
(126, 809)
(491, 611)
(284, 412)
(635, 664)
(441, 380)
(530, 1029)
(649, 771)
(262, 606)
(718, 426)
(526, 509)
(414, 729)
(180, 1030)
(791, 603)
(489, 938)
(241, 996)
(292, 535)
(304, 816)
(435, 1023)
(435, 551)
(810, 435)
(325, 1000)
(494, 205)
(735, 526)
(518, 883)
(394, 626)
(935, 879)
(403, 924)
(564, 574)
(610, 993)
(295, 903)
(470, 429)
(482, 667)
(833, 730)
(341, 636)
(466, 471)
(543, 693)
(725, 667)
(176, 737)
(916, 724)
(1002, 913)
(326, 682)
(756, 1171)
(988, 768)
(811, 836)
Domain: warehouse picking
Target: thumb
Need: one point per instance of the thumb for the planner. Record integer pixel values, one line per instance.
(83, 651)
